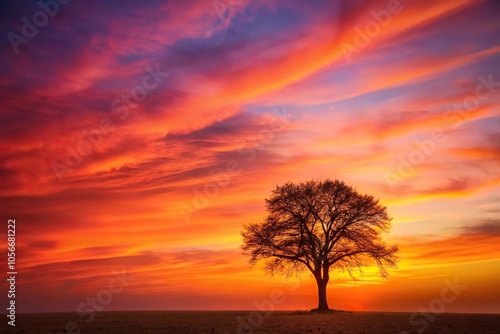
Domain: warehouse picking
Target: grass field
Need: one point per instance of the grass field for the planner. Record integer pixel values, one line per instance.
(155, 322)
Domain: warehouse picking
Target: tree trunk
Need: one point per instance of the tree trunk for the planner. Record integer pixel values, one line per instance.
(322, 302)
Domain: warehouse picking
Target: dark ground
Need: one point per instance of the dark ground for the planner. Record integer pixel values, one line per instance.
(153, 322)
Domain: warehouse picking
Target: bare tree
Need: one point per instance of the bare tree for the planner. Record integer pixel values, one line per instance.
(320, 225)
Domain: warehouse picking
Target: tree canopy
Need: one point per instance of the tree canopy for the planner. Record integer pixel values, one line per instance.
(320, 225)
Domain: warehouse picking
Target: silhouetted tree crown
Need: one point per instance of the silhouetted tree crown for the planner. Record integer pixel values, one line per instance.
(320, 225)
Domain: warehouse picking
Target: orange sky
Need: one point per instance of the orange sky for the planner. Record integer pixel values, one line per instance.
(263, 94)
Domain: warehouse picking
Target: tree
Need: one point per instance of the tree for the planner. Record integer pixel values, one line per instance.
(319, 226)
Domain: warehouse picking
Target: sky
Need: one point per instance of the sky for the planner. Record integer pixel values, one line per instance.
(138, 137)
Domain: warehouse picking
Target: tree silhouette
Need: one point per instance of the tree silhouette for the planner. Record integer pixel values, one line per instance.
(320, 225)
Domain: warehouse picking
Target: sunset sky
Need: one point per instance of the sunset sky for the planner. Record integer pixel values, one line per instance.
(142, 136)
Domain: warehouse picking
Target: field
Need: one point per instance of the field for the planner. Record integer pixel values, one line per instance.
(155, 322)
